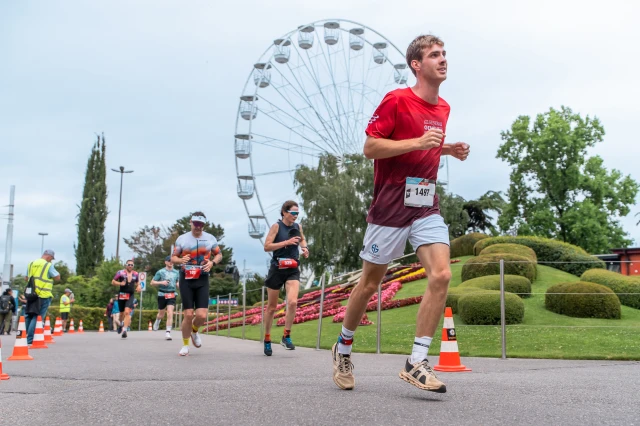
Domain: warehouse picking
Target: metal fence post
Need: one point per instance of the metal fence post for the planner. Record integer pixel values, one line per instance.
(244, 310)
(262, 318)
(229, 318)
(503, 319)
(140, 314)
(379, 317)
(217, 315)
(320, 312)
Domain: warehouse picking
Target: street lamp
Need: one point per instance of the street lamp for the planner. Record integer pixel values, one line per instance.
(122, 171)
(42, 246)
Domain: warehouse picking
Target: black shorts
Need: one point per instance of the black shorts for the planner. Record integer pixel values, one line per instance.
(276, 278)
(163, 303)
(64, 315)
(194, 293)
(122, 304)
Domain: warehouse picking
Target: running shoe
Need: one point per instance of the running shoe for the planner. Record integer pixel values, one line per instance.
(156, 325)
(184, 351)
(167, 335)
(124, 334)
(286, 342)
(267, 349)
(195, 338)
(342, 369)
(422, 376)
(119, 329)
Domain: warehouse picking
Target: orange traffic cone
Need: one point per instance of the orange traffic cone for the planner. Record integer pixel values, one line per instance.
(38, 338)
(150, 328)
(72, 329)
(80, 328)
(57, 329)
(2, 375)
(449, 356)
(47, 332)
(21, 349)
(101, 329)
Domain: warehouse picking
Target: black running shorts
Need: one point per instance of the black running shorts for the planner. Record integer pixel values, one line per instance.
(64, 315)
(194, 293)
(122, 304)
(164, 302)
(276, 278)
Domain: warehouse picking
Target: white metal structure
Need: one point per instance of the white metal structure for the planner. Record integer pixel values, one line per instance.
(312, 92)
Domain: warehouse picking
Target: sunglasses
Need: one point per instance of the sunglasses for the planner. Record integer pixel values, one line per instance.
(130, 264)
(198, 224)
(293, 213)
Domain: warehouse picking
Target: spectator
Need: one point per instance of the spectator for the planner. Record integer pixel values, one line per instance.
(7, 309)
(43, 274)
(108, 314)
(135, 305)
(115, 314)
(65, 308)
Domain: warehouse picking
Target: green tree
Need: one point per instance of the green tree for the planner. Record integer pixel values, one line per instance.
(63, 270)
(453, 212)
(478, 211)
(335, 197)
(151, 246)
(557, 190)
(253, 286)
(93, 212)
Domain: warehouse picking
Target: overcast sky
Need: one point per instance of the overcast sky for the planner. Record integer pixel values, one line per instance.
(161, 79)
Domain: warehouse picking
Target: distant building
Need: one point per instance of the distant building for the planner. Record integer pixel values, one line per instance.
(623, 260)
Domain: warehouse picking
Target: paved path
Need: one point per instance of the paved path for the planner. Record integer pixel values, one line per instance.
(92, 378)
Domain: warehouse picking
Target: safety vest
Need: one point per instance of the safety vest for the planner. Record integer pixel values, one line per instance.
(63, 307)
(39, 270)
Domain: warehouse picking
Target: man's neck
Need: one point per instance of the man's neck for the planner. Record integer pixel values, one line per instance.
(427, 91)
(169, 268)
(196, 234)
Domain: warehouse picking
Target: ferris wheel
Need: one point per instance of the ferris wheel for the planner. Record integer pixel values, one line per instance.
(311, 93)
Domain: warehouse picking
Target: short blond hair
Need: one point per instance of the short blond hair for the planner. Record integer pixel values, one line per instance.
(415, 51)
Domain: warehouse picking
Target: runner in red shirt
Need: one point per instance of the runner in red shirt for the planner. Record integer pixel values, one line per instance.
(405, 137)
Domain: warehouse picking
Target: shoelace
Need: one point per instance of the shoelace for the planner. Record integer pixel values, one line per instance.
(424, 364)
(345, 365)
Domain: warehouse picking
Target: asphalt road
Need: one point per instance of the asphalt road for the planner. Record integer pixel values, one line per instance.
(92, 378)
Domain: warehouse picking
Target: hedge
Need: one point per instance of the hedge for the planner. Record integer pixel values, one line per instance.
(484, 308)
(515, 284)
(489, 264)
(454, 295)
(463, 246)
(618, 283)
(518, 249)
(548, 250)
(603, 304)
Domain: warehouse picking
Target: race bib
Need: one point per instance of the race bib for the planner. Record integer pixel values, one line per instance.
(192, 273)
(419, 192)
(123, 296)
(169, 295)
(287, 263)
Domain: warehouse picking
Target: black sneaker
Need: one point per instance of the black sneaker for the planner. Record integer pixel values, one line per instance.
(124, 334)
(119, 329)
(286, 342)
(267, 348)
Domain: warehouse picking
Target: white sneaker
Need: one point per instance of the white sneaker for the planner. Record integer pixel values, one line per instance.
(184, 351)
(167, 335)
(195, 338)
(156, 325)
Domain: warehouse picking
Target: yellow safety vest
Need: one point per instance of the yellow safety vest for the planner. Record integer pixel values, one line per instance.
(39, 270)
(63, 307)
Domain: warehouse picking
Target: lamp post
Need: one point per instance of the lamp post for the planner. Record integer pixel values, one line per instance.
(42, 246)
(122, 171)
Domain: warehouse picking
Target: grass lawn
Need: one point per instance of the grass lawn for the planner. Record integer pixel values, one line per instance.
(543, 334)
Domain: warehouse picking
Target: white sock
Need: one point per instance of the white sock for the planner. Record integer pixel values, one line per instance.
(345, 335)
(420, 349)
(168, 328)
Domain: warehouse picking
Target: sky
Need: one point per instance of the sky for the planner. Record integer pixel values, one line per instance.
(162, 79)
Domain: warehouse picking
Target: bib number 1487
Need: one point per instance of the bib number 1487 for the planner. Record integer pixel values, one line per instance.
(419, 192)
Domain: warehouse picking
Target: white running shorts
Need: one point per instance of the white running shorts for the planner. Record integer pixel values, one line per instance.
(382, 244)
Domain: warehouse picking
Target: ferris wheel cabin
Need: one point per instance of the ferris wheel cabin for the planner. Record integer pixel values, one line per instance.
(401, 73)
(257, 229)
(281, 50)
(380, 52)
(243, 146)
(262, 74)
(245, 187)
(306, 36)
(248, 107)
(356, 42)
(331, 33)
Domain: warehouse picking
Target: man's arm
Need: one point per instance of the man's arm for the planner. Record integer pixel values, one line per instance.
(379, 148)
(269, 245)
(459, 150)
(114, 282)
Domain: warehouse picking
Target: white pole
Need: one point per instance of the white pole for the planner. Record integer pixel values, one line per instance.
(6, 271)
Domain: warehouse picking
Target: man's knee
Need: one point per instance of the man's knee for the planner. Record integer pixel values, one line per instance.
(201, 316)
(292, 304)
(440, 276)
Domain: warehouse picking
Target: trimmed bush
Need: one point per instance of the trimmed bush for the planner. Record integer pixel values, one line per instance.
(618, 283)
(489, 264)
(583, 300)
(515, 284)
(454, 293)
(548, 250)
(463, 246)
(518, 249)
(484, 308)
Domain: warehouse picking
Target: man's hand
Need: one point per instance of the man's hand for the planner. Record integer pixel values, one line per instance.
(207, 267)
(293, 241)
(305, 252)
(431, 139)
(185, 259)
(138, 288)
(460, 150)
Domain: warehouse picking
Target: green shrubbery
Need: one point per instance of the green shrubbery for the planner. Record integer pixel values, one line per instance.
(489, 264)
(518, 249)
(454, 295)
(515, 284)
(548, 250)
(463, 246)
(483, 308)
(619, 283)
(583, 300)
